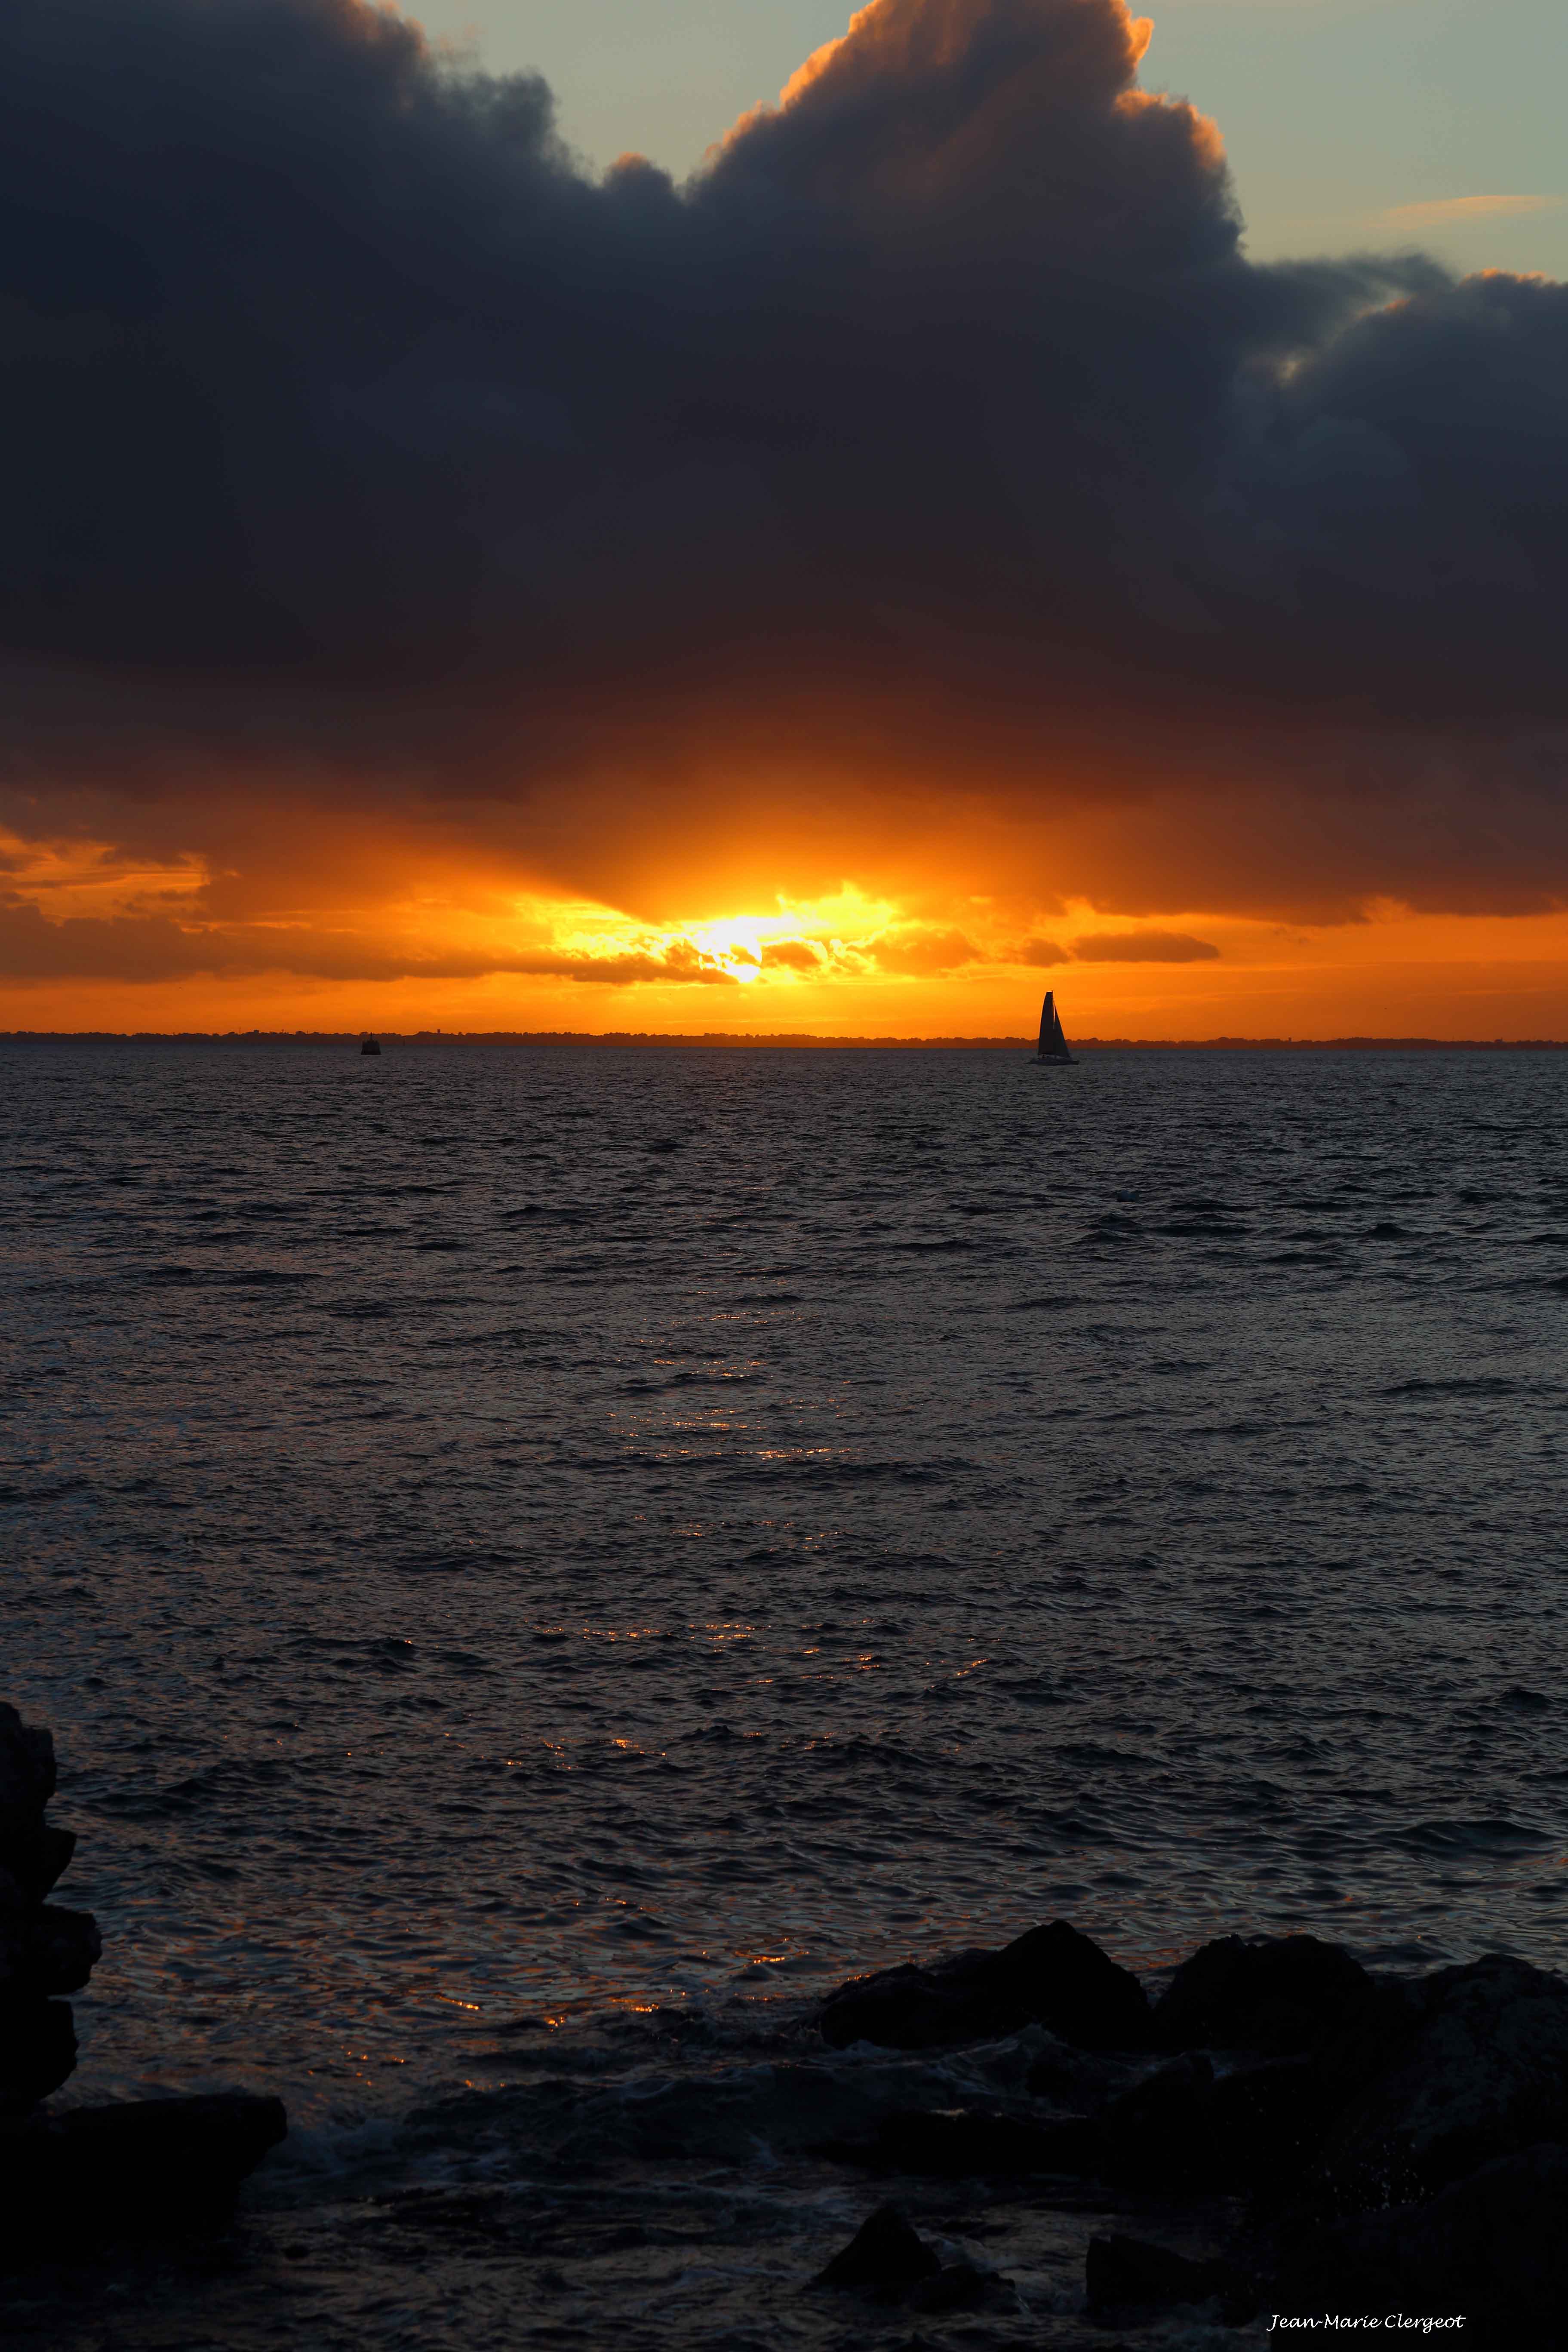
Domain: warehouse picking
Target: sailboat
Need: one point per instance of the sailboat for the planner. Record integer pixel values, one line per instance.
(1053, 1046)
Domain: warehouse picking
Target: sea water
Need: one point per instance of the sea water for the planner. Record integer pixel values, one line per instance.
(539, 1560)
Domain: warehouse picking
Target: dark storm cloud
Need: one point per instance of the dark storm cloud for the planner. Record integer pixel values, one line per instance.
(359, 444)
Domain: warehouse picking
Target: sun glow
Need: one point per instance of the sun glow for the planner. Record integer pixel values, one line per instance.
(799, 939)
(794, 941)
(99, 936)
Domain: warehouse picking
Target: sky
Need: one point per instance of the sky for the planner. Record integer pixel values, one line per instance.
(692, 517)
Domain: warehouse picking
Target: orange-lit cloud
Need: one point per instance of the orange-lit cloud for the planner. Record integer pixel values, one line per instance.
(923, 949)
(1144, 947)
(793, 955)
(1442, 212)
(920, 552)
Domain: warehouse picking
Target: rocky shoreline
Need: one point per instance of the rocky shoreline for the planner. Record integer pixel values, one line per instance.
(1277, 2139)
(1397, 2146)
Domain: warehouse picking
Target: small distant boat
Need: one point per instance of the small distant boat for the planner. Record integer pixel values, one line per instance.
(1053, 1046)
(369, 1046)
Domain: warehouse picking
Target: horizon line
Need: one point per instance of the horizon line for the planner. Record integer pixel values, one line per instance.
(827, 1040)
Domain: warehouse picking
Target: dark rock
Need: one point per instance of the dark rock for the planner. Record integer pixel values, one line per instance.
(1257, 2128)
(1404, 2088)
(26, 1780)
(966, 2143)
(1080, 2080)
(1477, 2069)
(36, 1859)
(1052, 1976)
(958, 2286)
(885, 2253)
(1125, 2277)
(44, 1950)
(47, 1949)
(1158, 2133)
(148, 2166)
(1072, 1987)
(904, 2008)
(1266, 2124)
(37, 2051)
(1491, 2248)
(1274, 1995)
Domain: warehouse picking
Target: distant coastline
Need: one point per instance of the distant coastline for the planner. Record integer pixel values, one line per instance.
(774, 1038)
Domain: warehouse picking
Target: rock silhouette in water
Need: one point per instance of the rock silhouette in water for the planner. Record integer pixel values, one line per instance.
(1052, 1976)
(1274, 1994)
(888, 2260)
(145, 2165)
(44, 1949)
(885, 2252)
(149, 2164)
